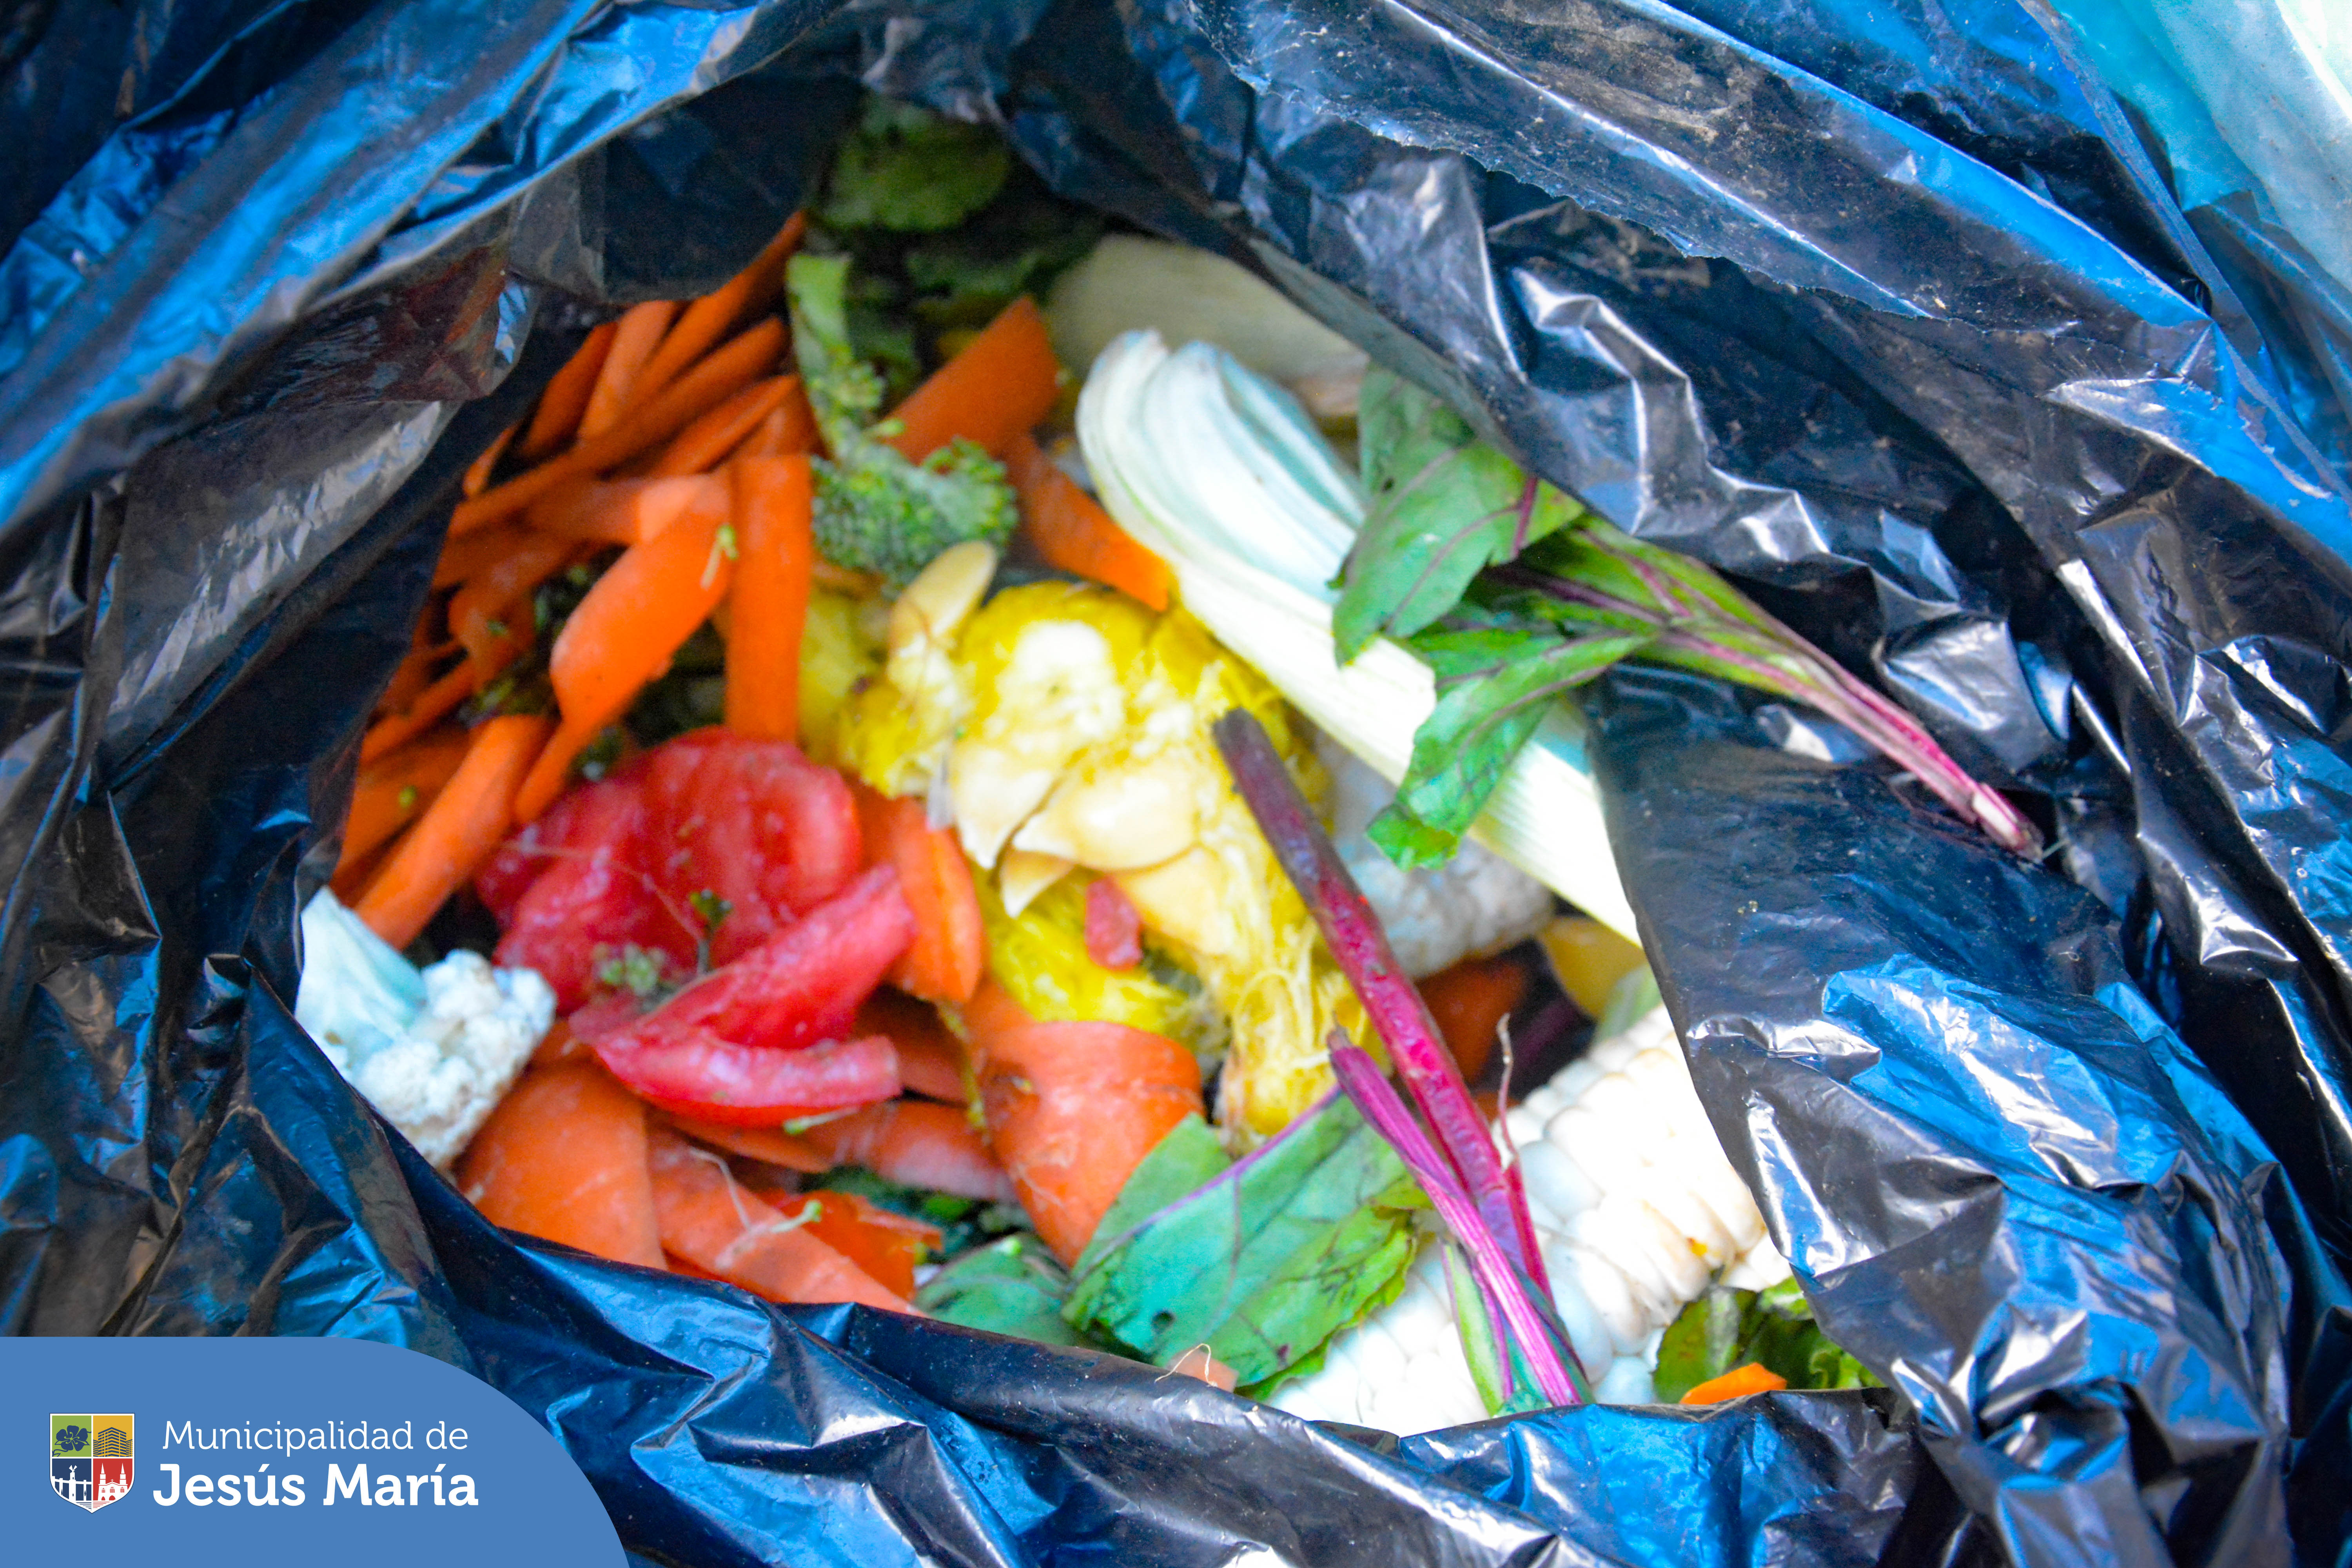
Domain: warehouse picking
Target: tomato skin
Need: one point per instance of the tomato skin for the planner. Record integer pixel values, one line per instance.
(591, 899)
(694, 1073)
(750, 821)
(1114, 926)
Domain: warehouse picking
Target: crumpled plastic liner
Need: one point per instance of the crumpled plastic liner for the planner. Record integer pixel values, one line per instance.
(1886, 310)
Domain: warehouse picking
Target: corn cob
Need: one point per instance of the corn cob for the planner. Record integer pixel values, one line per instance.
(1637, 1211)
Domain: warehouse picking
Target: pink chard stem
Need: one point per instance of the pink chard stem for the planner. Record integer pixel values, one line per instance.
(1398, 1014)
(1539, 1341)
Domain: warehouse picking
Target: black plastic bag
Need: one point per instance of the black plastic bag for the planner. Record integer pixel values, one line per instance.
(1970, 425)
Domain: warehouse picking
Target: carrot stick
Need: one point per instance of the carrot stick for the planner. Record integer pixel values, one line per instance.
(1073, 1108)
(415, 672)
(916, 1144)
(885, 1244)
(930, 1059)
(769, 1145)
(394, 789)
(626, 512)
(490, 616)
(950, 946)
(469, 557)
(768, 602)
(351, 879)
(789, 432)
(1470, 1002)
(709, 318)
(640, 612)
(432, 705)
(1753, 1378)
(557, 418)
(709, 1219)
(698, 449)
(637, 335)
(458, 831)
(1003, 381)
(749, 356)
(1073, 532)
(564, 1158)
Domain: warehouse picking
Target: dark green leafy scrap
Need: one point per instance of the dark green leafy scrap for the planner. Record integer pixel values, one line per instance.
(1725, 1329)
(1264, 1260)
(1495, 686)
(1443, 505)
(910, 171)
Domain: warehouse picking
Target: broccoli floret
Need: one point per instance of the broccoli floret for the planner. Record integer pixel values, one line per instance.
(876, 511)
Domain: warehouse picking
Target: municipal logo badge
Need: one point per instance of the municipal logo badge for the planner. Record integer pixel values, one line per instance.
(90, 1458)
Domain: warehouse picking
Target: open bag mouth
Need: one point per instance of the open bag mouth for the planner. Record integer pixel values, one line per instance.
(2046, 464)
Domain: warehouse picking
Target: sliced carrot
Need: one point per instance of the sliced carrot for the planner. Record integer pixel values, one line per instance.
(460, 830)
(749, 356)
(950, 946)
(1073, 532)
(698, 449)
(774, 522)
(393, 791)
(626, 512)
(432, 705)
(564, 1158)
(640, 612)
(415, 670)
(491, 618)
(557, 418)
(769, 1146)
(991, 1012)
(1740, 1380)
(637, 334)
(466, 557)
(352, 877)
(930, 1058)
(1073, 1108)
(479, 471)
(709, 1219)
(916, 1144)
(711, 317)
(789, 432)
(1470, 1002)
(1003, 381)
(886, 1244)
(558, 1045)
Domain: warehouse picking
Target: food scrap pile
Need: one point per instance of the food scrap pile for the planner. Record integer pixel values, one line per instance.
(901, 896)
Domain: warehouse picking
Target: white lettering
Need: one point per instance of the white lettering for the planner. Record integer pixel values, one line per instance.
(355, 1487)
(461, 1492)
(168, 1502)
(228, 1498)
(387, 1491)
(183, 1435)
(294, 1491)
(200, 1491)
(404, 1438)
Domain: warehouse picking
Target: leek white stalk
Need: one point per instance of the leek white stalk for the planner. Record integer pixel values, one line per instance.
(1222, 474)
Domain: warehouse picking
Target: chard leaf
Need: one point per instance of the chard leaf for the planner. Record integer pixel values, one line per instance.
(1444, 506)
(910, 171)
(1495, 686)
(1009, 1287)
(1262, 1262)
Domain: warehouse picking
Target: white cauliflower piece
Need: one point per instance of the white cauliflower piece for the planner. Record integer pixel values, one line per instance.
(1636, 1209)
(1475, 904)
(434, 1052)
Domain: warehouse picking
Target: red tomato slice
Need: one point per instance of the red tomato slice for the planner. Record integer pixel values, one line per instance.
(753, 822)
(1114, 926)
(694, 1073)
(527, 856)
(799, 986)
(592, 900)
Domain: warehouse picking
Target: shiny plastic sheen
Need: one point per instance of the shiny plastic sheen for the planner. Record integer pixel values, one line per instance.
(1885, 309)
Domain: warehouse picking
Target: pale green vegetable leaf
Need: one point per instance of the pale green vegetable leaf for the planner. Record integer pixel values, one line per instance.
(908, 170)
(1012, 1286)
